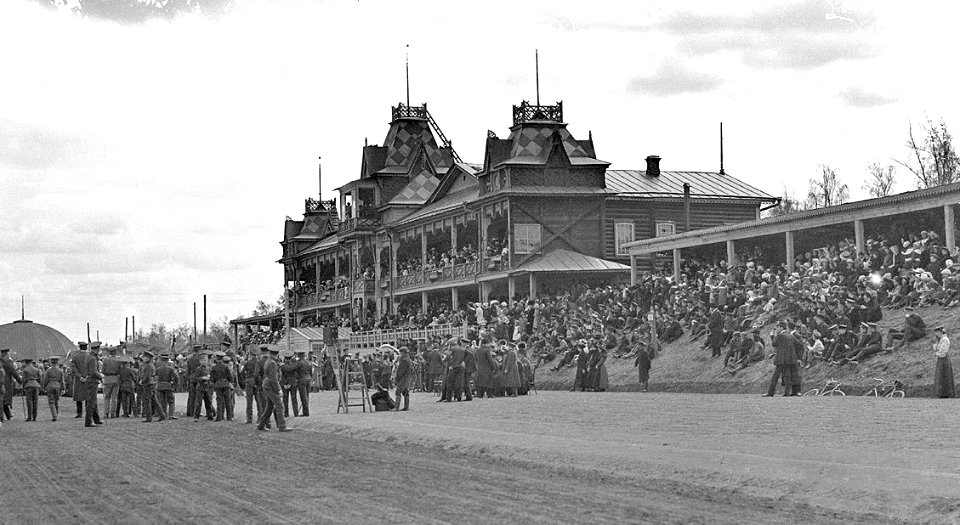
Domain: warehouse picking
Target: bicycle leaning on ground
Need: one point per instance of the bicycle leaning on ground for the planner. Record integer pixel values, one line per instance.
(886, 390)
(832, 388)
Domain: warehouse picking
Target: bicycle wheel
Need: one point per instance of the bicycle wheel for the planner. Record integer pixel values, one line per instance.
(835, 393)
(871, 393)
(812, 392)
(898, 393)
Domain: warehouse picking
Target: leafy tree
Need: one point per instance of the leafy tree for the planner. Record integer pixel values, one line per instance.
(880, 179)
(934, 161)
(826, 190)
(264, 308)
(788, 204)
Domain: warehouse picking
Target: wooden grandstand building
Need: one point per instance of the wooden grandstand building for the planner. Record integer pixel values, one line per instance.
(421, 227)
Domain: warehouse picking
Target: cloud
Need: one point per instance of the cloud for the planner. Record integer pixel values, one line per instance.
(672, 78)
(858, 97)
(28, 146)
(799, 36)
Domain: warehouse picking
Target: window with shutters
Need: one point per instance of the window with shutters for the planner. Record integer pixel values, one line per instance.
(666, 228)
(623, 233)
(526, 237)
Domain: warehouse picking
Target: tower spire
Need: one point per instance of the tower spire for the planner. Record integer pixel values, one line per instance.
(319, 179)
(536, 59)
(721, 149)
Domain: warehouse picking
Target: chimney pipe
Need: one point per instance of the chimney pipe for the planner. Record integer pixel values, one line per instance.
(653, 165)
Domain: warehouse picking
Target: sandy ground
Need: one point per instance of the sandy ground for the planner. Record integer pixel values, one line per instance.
(553, 457)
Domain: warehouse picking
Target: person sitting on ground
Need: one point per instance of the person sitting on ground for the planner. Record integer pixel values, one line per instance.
(870, 343)
(673, 330)
(381, 400)
(913, 328)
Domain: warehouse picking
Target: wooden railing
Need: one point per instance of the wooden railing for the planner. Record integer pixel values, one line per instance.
(359, 224)
(326, 296)
(372, 339)
(447, 273)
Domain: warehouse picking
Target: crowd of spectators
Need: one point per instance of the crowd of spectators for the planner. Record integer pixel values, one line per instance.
(833, 298)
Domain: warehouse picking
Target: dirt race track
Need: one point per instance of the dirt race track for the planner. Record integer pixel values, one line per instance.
(553, 457)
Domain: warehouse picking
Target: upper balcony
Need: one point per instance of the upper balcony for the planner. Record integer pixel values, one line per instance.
(359, 225)
(531, 112)
(454, 272)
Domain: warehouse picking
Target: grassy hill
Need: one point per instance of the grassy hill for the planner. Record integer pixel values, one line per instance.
(685, 366)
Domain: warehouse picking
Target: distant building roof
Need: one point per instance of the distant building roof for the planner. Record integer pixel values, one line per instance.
(324, 244)
(703, 184)
(27, 339)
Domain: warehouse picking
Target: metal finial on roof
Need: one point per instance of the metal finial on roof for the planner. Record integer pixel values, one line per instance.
(721, 149)
(536, 59)
(408, 74)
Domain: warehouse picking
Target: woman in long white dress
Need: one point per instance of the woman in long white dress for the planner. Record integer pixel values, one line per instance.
(943, 376)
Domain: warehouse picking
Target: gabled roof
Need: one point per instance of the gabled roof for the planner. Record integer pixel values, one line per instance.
(423, 181)
(703, 185)
(561, 260)
(316, 226)
(448, 202)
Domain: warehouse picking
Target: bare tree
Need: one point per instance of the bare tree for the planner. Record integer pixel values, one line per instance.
(826, 190)
(936, 161)
(880, 179)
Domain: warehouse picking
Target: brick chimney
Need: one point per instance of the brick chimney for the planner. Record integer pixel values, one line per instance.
(653, 165)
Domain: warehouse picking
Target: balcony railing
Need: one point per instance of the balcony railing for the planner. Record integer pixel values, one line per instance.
(448, 273)
(363, 287)
(403, 111)
(372, 339)
(527, 111)
(323, 297)
(359, 224)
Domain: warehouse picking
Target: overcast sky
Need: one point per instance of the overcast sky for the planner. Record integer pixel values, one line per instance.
(145, 164)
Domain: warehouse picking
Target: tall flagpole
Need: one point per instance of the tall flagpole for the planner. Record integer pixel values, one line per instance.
(536, 58)
(408, 74)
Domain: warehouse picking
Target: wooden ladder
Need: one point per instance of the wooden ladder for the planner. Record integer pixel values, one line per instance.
(353, 380)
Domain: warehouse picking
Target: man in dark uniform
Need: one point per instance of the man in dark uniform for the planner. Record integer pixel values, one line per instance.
(10, 375)
(79, 392)
(221, 377)
(90, 377)
(111, 383)
(30, 379)
(128, 386)
(785, 360)
(52, 385)
(192, 363)
(469, 367)
(248, 377)
(166, 379)
(148, 379)
(404, 377)
(271, 391)
(201, 381)
(583, 359)
(305, 377)
(453, 385)
(434, 368)
(290, 373)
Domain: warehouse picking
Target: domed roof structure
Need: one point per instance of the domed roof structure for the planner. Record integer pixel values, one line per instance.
(34, 340)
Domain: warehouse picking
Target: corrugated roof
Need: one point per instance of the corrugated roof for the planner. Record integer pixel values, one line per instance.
(670, 184)
(328, 242)
(309, 333)
(569, 261)
(34, 340)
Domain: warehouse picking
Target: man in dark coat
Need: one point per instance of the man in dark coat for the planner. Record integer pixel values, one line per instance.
(193, 362)
(52, 385)
(404, 377)
(469, 368)
(248, 378)
(914, 328)
(90, 377)
(434, 368)
(290, 373)
(453, 385)
(9, 376)
(148, 380)
(486, 370)
(643, 366)
(715, 339)
(166, 379)
(583, 359)
(784, 360)
(221, 377)
(30, 377)
(79, 392)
